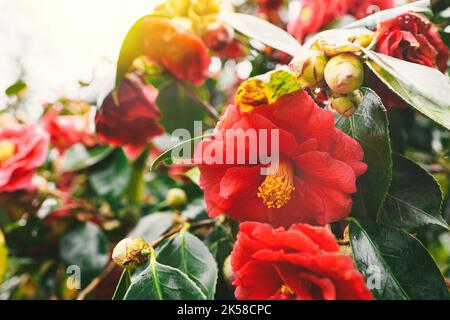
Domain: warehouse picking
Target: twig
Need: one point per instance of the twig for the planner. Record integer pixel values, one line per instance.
(111, 265)
(96, 281)
(206, 105)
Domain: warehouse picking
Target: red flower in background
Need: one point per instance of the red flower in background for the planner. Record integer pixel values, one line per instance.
(315, 14)
(67, 130)
(181, 52)
(318, 167)
(300, 263)
(22, 150)
(133, 122)
(362, 8)
(410, 37)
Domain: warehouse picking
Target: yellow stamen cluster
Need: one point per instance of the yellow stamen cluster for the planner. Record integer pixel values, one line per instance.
(276, 190)
(7, 150)
(287, 291)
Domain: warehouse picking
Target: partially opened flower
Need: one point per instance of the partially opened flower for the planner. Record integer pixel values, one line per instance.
(178, 50)
(22, 150)
(67, 130)
(132, 122)
(301, 262)
(317, 171)
(410, 37)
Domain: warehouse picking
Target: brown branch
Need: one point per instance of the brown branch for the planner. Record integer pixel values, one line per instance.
(111, 265)
(96, 281)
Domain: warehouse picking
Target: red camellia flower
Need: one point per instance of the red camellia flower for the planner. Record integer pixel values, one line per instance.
(181, 52)
(318, 166)
(410, 37)
(300, 263)
(131, 123)
(362, 8)
(67, 130)
(315, 14)
(22, 150)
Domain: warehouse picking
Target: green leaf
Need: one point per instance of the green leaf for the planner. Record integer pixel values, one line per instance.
(220, 243)
(266, 89)
(194, 175)
(178, 109)
(3, 256)
(187, 253)
(195, 210)
(122, 286)
(166, 156)
(152, 226)
(425, 89)
(161, 282)
(372, 21)
(403, 266)
(414, 199)
(263, 31)
(85, 246)
(16, 89)
(78, 157)
(369, 126)
(111, 177)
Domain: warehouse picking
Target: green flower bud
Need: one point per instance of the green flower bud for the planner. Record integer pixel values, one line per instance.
(228, 273)
(130, 253)
(347, 104)
(176, 197)
(344, 73)
(309, 66)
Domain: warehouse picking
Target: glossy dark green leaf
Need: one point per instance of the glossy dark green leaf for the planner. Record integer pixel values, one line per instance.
(426, 89)
(195, 210)
(414, 198)
(220, 243)
(369, 126)
(402, 265)
(110, 178)
(152, 226)
(122, 286)
(85, 246)
(78, 157)
(187, 253)
(178, 109)
(161, 282)
(166, 156)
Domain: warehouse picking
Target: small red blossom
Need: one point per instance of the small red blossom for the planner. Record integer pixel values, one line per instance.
(22, 150)
(180, 51)
(67, 130)
(132, 123)
(410, 37)
(317, 170)
(316, 14)
(302, 262)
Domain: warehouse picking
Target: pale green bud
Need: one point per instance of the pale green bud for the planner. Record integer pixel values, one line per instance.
(176, 197)
(344, 73)
(346, 104)
(309, 66)
(130, 253)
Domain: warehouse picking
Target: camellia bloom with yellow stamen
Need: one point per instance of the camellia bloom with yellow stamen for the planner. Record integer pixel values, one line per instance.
(302, 262)
(317, 171)
(22, 150)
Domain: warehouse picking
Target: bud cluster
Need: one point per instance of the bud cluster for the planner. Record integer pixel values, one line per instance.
(341, 75)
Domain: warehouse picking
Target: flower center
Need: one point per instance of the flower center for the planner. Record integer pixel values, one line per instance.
(287, 291)
(276, 189)
(7, 150)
